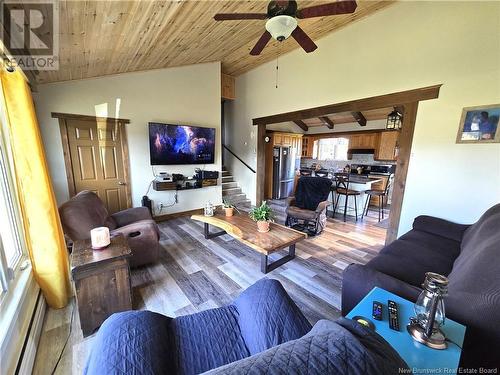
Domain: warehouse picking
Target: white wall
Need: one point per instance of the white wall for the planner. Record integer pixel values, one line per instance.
(405, 46)
(187, 95)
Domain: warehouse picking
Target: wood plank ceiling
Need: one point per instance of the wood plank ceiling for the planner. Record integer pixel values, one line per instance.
(108, 37)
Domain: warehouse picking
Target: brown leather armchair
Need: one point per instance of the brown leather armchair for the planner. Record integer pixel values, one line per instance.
(86, 211)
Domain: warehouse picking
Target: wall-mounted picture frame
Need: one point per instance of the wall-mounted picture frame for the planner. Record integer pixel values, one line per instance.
(479, 124)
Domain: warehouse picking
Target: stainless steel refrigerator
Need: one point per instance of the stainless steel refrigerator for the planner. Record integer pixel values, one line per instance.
(284, 164)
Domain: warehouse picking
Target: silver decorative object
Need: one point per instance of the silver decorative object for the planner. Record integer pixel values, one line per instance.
(209, 209)
(430, 313)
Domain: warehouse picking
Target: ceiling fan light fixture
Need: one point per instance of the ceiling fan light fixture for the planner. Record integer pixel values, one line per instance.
(281, 27)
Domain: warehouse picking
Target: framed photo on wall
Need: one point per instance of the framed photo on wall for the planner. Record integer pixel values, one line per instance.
(480, 124)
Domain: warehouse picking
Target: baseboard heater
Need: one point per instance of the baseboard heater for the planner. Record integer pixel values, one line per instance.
(28, 354)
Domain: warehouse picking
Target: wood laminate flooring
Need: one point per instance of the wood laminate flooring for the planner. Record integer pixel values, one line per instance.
(194, 274)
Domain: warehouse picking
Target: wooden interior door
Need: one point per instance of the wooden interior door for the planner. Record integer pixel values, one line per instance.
(98, 160)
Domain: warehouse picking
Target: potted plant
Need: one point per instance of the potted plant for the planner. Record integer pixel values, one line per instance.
(228, 207)
(262, 215)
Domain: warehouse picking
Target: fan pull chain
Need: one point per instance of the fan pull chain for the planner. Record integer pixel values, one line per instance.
(277, 71)
(277, 63)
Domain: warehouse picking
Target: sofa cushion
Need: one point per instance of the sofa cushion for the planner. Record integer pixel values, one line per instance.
(414, 254)
(301, 213)
(475, 281)
(132, 342)
(267, 316)
(207, 339)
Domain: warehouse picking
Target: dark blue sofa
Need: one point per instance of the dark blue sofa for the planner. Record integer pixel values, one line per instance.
(468, 254)
(262, 331)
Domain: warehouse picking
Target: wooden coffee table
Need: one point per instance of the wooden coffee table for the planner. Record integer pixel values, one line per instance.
(244, 229)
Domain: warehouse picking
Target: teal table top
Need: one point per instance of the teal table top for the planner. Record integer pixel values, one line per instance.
(420, 358)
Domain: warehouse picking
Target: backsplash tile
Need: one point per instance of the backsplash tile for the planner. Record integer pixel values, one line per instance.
(339, 164)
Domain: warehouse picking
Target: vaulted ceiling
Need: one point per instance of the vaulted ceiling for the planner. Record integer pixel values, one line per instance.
(107, 37)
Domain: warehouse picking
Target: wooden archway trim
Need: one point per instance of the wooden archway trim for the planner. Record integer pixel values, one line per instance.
(406, 100)
(359, 105)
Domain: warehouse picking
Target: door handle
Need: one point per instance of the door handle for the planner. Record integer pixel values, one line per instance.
(121, 183)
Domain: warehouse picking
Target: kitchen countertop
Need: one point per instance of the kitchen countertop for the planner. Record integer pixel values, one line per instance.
(363, 179)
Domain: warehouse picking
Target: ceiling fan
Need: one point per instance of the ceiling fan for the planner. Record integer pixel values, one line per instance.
(282, 18)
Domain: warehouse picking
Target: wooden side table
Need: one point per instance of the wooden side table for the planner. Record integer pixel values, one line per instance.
(420, 358)
(102, 281)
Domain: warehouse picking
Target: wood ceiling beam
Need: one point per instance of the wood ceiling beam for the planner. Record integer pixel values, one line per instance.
(301, 124)
(328, 123)
(376, 102)
(358, 116)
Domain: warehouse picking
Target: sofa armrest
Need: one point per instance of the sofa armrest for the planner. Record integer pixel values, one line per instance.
(131, 215)
(143, 228)
(440, 227)
(267, 316)
(358, 280)
(322, 206)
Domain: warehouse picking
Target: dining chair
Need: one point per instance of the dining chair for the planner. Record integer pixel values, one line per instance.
(382, 194)
(342, 188)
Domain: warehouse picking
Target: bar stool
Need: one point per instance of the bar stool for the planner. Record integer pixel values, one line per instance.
(342, 188)
(382, 194)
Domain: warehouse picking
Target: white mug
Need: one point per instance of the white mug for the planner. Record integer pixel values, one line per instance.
(99, 238)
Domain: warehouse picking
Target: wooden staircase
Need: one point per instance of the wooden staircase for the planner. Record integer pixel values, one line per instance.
(232, 191)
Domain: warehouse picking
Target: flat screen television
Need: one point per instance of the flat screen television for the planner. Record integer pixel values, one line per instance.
(180, 144)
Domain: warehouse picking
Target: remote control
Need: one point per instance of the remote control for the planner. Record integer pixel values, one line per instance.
(393, 315)
(377, 310)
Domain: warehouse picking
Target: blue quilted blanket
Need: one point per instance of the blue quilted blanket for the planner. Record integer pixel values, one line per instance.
(263, 331)
(337, 348)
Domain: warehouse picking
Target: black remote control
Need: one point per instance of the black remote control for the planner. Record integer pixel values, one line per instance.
(393, 315)
(377, 310)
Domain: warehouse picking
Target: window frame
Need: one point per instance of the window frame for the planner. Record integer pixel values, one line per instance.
(10, 274)
(317, 148)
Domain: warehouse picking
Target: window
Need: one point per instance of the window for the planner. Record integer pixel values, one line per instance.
(12, 253)
(331, 149)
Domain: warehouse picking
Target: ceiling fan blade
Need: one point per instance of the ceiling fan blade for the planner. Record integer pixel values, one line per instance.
(331, 9)
(239, 16)
(261, 43)
(305, 42)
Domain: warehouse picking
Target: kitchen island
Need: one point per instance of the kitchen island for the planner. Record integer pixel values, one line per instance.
(357, 183)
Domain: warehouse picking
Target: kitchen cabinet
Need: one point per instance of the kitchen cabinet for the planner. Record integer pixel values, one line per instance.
(379, 185)
(307, 146)
(277, 139)
(227, 87)
(387, 146)
(363, 141)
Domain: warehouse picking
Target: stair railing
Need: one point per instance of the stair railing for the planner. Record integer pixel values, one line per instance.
(237, 157)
